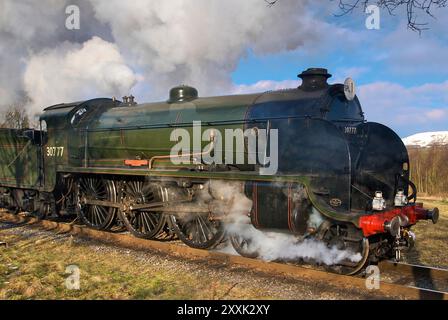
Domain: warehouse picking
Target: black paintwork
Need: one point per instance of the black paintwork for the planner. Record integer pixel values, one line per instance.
(324, 136)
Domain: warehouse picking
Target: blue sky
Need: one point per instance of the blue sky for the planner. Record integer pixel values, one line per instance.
(401, 75)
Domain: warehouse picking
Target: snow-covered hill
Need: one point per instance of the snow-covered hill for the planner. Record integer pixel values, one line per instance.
(426, 139)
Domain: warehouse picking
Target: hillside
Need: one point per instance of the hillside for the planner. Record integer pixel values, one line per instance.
(426, 139)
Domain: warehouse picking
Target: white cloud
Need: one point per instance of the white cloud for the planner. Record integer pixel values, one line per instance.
(407, 109)
(342, 73)
(411, 53)
(436, 114)
(265, 85)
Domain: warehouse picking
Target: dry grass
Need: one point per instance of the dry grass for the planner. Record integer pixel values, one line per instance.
(432, 240)
(35, 269)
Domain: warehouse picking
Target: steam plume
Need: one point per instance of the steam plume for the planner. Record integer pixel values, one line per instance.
(274, 245)
(106, 73)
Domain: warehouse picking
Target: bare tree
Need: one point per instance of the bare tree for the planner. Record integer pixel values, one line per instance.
(270, 2)
(412, 8)
(428, 169)
(15, 117)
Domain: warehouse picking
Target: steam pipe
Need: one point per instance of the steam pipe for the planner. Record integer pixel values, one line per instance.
(413, 195)
(170, 156)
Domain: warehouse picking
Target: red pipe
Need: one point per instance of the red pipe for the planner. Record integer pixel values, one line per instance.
(375, 223)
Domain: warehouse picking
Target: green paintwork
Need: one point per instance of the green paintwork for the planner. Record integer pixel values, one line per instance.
(126, 133)
(118, 132)
(19, 160)
(99, 139)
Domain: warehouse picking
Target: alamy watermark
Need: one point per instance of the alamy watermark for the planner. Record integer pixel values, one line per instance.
(73, 21)
(72, 282)
(261, 146)
(373, 17)
(373, 277)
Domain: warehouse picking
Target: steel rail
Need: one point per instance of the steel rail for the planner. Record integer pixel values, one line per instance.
(415, 271)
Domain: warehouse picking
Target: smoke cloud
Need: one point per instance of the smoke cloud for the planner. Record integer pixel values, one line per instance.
(139, 46)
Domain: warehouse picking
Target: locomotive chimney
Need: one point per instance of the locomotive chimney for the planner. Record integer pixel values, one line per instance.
(314, 79)
(131, 100)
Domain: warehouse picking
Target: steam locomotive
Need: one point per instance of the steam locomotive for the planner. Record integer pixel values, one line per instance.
(302, 161)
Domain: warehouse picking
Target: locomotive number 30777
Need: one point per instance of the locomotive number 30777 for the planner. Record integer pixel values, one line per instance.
(55, 151)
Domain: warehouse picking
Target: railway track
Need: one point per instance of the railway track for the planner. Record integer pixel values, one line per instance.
(415, 275)
(398, 289)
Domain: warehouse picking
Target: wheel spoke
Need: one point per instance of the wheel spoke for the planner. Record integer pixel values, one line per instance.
(153, 218)
(84, 185)
(141, 223)
(197, 234)
(132, 190)
(138, 187)
(103, 212)
(148, 221)
(201, 224)
(144, 224)
(91, 187)
(96, 216)
(97, 184)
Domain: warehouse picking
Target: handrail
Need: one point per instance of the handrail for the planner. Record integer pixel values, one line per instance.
(171, 156)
